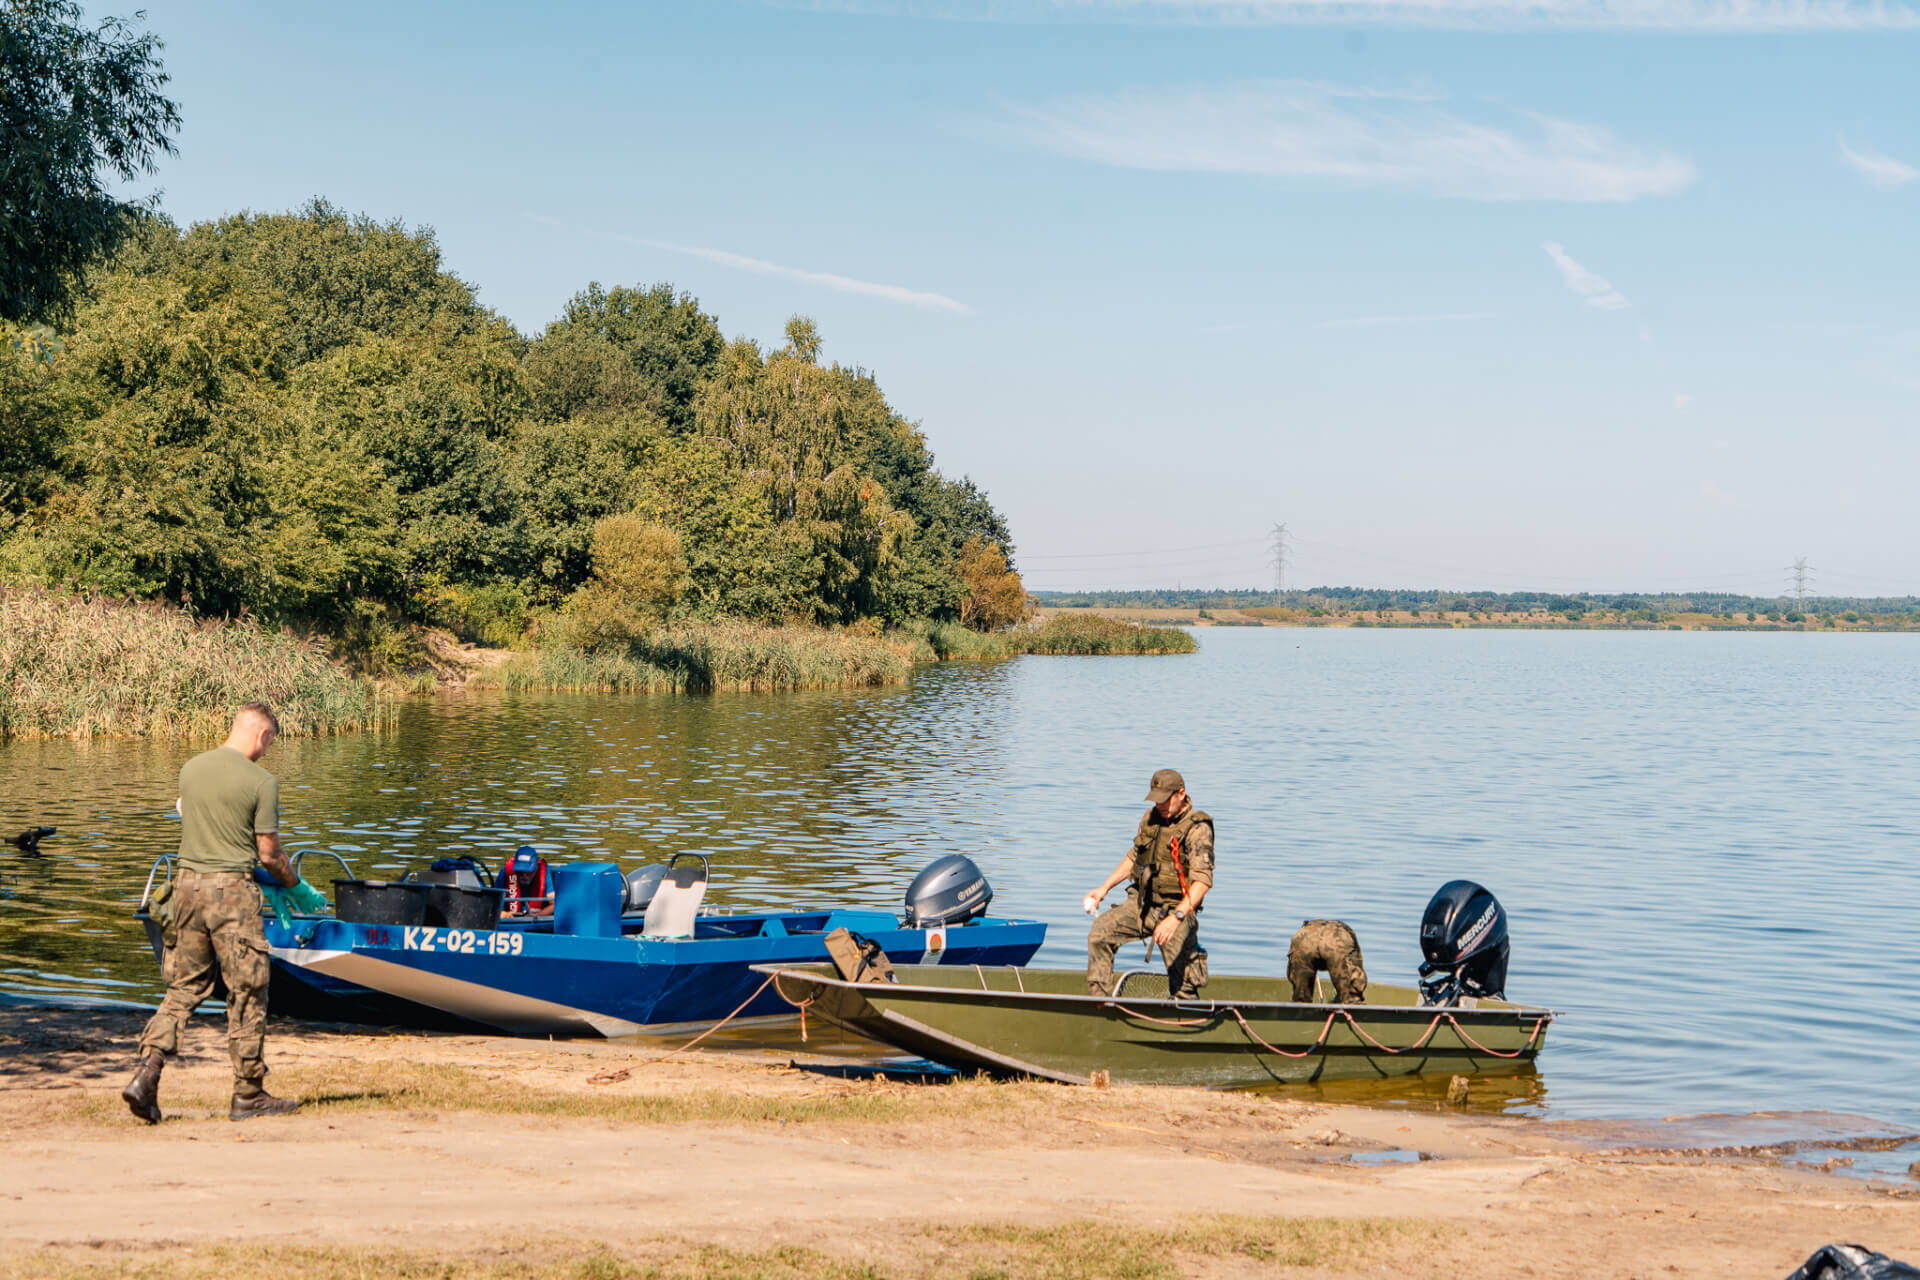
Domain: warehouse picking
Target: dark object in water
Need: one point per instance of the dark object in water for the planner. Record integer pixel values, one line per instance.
(1463, 936)
(1853, 1262)
(380, 901)
(28, 841)
(949, 890)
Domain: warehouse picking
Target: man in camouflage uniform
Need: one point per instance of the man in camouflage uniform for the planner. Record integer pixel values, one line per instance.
(229, 817)
(1171, 869)
(1329, 945)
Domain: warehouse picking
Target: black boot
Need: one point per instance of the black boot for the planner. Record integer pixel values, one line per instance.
(248, 1105)
(142, 1094)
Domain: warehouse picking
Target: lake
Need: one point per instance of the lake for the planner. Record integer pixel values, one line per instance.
(1704, 841)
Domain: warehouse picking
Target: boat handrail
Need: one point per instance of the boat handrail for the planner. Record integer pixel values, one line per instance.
(328, 853)
(166, 860)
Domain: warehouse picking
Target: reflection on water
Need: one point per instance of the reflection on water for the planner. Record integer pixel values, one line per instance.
(1704, 841)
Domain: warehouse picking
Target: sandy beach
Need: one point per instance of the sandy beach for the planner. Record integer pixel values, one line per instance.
(482, 1156)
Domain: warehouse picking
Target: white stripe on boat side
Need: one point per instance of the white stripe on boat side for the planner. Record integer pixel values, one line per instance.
(523, 1015)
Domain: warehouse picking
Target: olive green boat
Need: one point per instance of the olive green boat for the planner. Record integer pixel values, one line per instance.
(1246, 1032)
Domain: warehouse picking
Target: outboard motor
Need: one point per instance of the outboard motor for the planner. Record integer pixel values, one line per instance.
(642, 883)
(1463, 935)
(950, 890)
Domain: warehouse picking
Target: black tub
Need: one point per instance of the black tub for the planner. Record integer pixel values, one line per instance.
(462, 906)
(380, 902)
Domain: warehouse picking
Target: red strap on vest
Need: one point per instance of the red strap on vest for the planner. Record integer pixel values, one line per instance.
(1179, 870)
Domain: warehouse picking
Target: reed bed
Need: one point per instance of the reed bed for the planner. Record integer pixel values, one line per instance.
(713, 657)
(1092, 634)
(82, 666)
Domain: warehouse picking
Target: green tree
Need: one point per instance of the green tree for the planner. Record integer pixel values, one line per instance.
(76, 104)
(668, 342)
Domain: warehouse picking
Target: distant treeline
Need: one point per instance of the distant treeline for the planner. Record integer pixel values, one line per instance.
(305, 418)
(1369, 598)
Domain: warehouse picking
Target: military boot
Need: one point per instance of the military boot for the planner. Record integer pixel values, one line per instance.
(142, 1094)
(261, 1103)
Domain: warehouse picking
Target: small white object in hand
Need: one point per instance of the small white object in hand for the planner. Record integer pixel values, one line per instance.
(1090, 905)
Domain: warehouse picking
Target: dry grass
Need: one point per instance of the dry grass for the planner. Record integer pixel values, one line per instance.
(82, 666)
(1078, 1250)
(710, 657)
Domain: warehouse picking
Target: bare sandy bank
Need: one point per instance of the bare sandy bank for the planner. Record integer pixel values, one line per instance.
(478, 1150)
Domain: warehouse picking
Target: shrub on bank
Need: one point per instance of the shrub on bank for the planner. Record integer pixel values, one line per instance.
(951, 642)
(82, 666)
(1092, 634)
(711, 656)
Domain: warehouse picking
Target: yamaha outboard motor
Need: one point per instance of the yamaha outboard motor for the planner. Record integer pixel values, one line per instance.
(1463, 935)
(642, 882)
(950, 891)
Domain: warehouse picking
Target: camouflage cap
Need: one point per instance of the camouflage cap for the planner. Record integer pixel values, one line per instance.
(1164, 783)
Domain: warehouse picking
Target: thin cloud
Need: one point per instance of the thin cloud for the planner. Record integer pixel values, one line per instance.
(1707, 16)
(1681, 399)
(1297, 129)
(1596, 289)
(1880, 170)
(1405, 322)
(825, 279)
(760, 266)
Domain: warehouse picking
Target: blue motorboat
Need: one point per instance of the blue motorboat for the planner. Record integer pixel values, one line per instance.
(599, 954)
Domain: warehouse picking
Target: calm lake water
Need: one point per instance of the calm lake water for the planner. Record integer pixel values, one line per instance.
(1705, 841)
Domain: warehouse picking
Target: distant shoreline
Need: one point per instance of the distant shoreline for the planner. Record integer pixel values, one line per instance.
(1471, 620)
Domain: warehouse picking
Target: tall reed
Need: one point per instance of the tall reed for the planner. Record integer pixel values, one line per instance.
(1093, 634)
(705, 657)
(82, 666)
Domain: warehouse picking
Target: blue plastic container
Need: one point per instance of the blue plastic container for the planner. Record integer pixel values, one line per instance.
(587, 897)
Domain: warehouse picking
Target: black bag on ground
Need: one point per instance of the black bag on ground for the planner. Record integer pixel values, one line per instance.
(1853, 1262)
(858, 958)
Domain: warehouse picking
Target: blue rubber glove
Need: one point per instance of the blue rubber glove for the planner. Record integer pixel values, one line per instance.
(306, 899)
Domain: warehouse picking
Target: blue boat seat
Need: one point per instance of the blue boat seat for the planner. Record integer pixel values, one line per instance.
(676, 903)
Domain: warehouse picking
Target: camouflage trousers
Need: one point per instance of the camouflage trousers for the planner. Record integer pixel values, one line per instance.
(1329, 945)
(217, 923)
(1186, 962)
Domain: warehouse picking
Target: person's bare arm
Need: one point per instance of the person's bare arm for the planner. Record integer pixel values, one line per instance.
(1121, 873)
(275, 859)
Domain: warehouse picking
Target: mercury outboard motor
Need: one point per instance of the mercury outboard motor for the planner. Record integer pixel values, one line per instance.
(642, 883)
(1464, 938)
(950, 891)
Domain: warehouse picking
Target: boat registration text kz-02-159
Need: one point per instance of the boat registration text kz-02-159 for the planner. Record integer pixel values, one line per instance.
(465, 942)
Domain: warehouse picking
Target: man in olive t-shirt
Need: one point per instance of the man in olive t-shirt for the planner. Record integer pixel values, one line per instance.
(229, 818)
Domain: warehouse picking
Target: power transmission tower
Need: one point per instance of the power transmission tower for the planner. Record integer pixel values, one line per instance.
(1801, 572)
(1279, 561)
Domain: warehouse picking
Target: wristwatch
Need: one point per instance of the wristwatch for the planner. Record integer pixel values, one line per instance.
(1179, 913)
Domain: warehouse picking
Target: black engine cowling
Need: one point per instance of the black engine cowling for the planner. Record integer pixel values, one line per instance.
(1463, 936)
(951, 890)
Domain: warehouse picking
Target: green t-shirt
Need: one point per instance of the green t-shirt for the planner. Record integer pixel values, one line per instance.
(225, 801)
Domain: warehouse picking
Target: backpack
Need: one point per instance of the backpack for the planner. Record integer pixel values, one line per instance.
(858, 958)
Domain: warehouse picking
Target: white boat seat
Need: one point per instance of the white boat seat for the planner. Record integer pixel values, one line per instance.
(676, 903)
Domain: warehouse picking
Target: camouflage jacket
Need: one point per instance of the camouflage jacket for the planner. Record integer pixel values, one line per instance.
(1161, 850)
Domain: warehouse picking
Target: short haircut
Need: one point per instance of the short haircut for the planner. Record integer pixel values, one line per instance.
(258, 711)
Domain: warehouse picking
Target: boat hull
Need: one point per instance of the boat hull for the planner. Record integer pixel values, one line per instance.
(1040, 1023)
(524, 979)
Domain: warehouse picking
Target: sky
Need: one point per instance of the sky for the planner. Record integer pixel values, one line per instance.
(1580, 295)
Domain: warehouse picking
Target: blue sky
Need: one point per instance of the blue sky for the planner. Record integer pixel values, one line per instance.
(1586, 295)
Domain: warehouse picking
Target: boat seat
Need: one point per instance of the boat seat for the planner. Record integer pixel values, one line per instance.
(676, 903)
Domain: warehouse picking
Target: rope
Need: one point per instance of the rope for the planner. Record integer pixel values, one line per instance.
(801, 1005)
(1327, 1027)
(724, 1021)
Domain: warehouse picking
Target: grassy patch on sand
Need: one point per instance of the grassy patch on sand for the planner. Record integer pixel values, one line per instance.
(83, 666)
(376, 1085)
(1078, 1250)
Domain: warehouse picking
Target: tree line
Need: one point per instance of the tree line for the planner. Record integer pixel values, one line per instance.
(306, 417)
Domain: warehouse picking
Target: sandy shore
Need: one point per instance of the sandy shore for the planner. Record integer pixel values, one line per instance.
(481, 1149)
